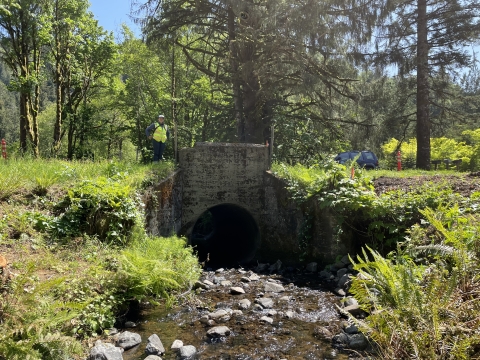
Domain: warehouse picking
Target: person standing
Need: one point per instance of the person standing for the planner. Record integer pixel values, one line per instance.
(159, 133)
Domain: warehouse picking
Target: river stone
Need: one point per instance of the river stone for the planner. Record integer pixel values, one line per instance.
(130, 324)
(236, 290)
(350, 301)
(341, 272)
(105, 351)
(200, 285)
(275, 267)
(351, 329)
(218, 279)
(218, 331)
(153, 357)
(220, 315)
(254, 277)
(226, 283)
(187, 351)
(273, 287)
(346, 260)
(267, 303)
(257, 307)
(311, 267)
(218, 271)
(128, 340)
(340, 292)
(208, 282)
(204, 319)
(266, 319)
(343, 280)
(284, 298)
(237, 313)
(289, 314)
(244, 304)
(272, 312)
(355, 310)
(245, 279)
(177, 344)
(154, 346)
(357, 342)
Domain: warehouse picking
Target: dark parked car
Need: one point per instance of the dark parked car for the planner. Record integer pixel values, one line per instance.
(365, 159)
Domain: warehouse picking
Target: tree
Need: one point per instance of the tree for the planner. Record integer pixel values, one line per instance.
(269, 53)
(426, 37)
(23, 26)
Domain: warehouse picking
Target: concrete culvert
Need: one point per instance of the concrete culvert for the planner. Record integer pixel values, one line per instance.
(227, 235)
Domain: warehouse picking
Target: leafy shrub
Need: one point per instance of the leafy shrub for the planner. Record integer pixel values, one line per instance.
(423, 300)
(101, 207)
(156, 266)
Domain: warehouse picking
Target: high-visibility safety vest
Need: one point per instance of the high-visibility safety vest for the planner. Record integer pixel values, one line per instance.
(160, 133)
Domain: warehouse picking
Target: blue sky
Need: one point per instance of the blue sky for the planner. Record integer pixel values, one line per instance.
(112, 13)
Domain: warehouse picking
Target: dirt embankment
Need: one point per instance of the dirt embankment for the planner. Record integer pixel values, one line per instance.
(464, 184)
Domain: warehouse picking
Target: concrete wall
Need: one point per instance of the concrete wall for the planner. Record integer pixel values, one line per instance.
(219, 173)
(214, 174)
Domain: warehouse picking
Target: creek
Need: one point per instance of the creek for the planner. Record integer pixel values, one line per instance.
(298, 322)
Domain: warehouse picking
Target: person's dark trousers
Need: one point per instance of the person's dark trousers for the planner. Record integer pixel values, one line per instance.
(158, 148)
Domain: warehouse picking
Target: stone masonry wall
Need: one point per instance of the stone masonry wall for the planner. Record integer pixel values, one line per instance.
(163, 206)
(221, 173)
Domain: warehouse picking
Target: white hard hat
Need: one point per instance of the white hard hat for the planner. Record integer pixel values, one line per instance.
(161, 115)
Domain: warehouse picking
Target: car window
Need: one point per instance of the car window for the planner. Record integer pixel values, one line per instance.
(368, 156)
(353, 154)
(343, 156)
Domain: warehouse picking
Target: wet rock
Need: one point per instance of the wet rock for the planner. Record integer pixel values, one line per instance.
(354, 310)
(341, 272)
(154, 346)
(273, 287)
(271, 312)
(218, 279)
(322, 332)
(245, 279)
(153, 357)
(285, 298)
(254, 277)
(208, 283)
(257, 307)
(237, 313)
(343, 280)
(311, 267)
(219, 316)
(130, 324)
(177, 344)
(200, 285)
(350, 301)
(275, 267)
(266, 319)
(236, 290)
(340, 340)
(218, 331)
(226, 283)
(289, 314)
(351, 329)
(204, 319)
(244, 304)
(103, 351)
(261, 267)
(340, 292)
(219, 271)
(325, 274)
(187, 351)
(345, 260)
(266, 303)
(357, 342)
(127, 340)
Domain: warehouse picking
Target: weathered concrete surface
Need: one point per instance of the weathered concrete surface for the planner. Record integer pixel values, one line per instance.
(234, 178)
(219, 173)
(163, 206)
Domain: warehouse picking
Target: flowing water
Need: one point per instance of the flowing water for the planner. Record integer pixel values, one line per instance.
(304, 320)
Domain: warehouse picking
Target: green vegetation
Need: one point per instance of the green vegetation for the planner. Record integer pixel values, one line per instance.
(77, 254)
(419, 274)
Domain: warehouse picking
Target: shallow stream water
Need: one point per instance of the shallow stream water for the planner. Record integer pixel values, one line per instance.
(304, 320)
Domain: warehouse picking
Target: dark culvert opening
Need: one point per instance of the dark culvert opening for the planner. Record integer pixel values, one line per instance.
(226, 235)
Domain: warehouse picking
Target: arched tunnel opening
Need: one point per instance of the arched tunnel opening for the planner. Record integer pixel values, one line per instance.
(225, 235)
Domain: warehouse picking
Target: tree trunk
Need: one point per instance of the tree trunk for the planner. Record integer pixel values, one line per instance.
(423, 116)
(23, 123)
(237, 92)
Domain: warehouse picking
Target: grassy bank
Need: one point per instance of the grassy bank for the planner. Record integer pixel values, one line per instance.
(77, 254)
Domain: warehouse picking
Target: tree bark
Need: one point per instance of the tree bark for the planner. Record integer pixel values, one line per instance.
(423, 115)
